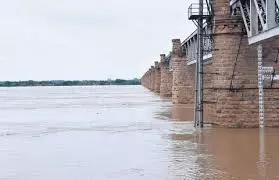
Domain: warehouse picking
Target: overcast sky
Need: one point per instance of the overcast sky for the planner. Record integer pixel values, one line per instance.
(87, 39)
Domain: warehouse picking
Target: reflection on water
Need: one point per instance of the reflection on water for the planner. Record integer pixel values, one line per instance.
(226, 154)
(185, 113)
(122, 133)
(182, 113)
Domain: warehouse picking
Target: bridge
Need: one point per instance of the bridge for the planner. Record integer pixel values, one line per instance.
(240, 51)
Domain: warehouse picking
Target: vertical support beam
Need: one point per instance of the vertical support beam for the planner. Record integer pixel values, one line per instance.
(260, 85)
(197, 79)
(259, 11)
(188, 50)
(253, 19)
(247, 22)
(270, 14)
(199, 71)
(192, 49)
(201, 52)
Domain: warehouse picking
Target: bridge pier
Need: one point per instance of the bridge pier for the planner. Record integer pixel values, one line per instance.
(166, 77)
(271, 91)
(235, 63)
(143, 80)
(149, 78)
(146, 79)
(152, 78)
(235, 86)
(157, 77)
(182, 88)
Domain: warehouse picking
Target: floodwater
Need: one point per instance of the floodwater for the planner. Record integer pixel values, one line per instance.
(121, 133)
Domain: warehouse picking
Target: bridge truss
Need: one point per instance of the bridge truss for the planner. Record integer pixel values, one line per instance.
(260, 17)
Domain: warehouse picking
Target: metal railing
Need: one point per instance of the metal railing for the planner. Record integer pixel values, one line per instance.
(193, 11)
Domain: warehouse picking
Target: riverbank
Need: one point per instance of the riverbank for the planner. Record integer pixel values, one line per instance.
(134, 81)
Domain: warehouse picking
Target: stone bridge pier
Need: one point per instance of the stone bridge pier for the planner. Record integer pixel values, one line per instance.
(147, 79)
(159, 77)
(166, 77)
(157, 74)
(233, 86)
(183, 80)
(231, 93)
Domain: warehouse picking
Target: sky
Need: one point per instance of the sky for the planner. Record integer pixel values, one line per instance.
(87, 39)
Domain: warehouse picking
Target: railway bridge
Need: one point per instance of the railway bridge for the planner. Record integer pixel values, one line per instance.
(239, 48)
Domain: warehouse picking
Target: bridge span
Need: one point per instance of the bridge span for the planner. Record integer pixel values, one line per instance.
(240, 57)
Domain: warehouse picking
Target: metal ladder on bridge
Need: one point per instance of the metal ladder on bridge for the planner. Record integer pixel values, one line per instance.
(200, 13)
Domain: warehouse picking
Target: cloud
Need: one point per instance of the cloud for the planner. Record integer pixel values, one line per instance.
(87, 39)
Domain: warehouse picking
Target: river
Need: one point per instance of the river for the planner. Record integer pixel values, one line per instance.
(121, 133)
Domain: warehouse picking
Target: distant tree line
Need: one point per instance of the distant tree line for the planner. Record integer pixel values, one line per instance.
(70, 83)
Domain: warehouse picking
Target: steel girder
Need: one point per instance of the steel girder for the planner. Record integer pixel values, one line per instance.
(260, 17)
(189, 45)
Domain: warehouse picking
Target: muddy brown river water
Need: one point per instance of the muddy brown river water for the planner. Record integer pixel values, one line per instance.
(122, 133)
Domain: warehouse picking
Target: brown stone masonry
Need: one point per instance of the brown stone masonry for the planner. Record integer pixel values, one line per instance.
(166, 78)
(230, 80)
(179, 76)
(234, 86)
(157, 77)
(146, 79)
(152, 79)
